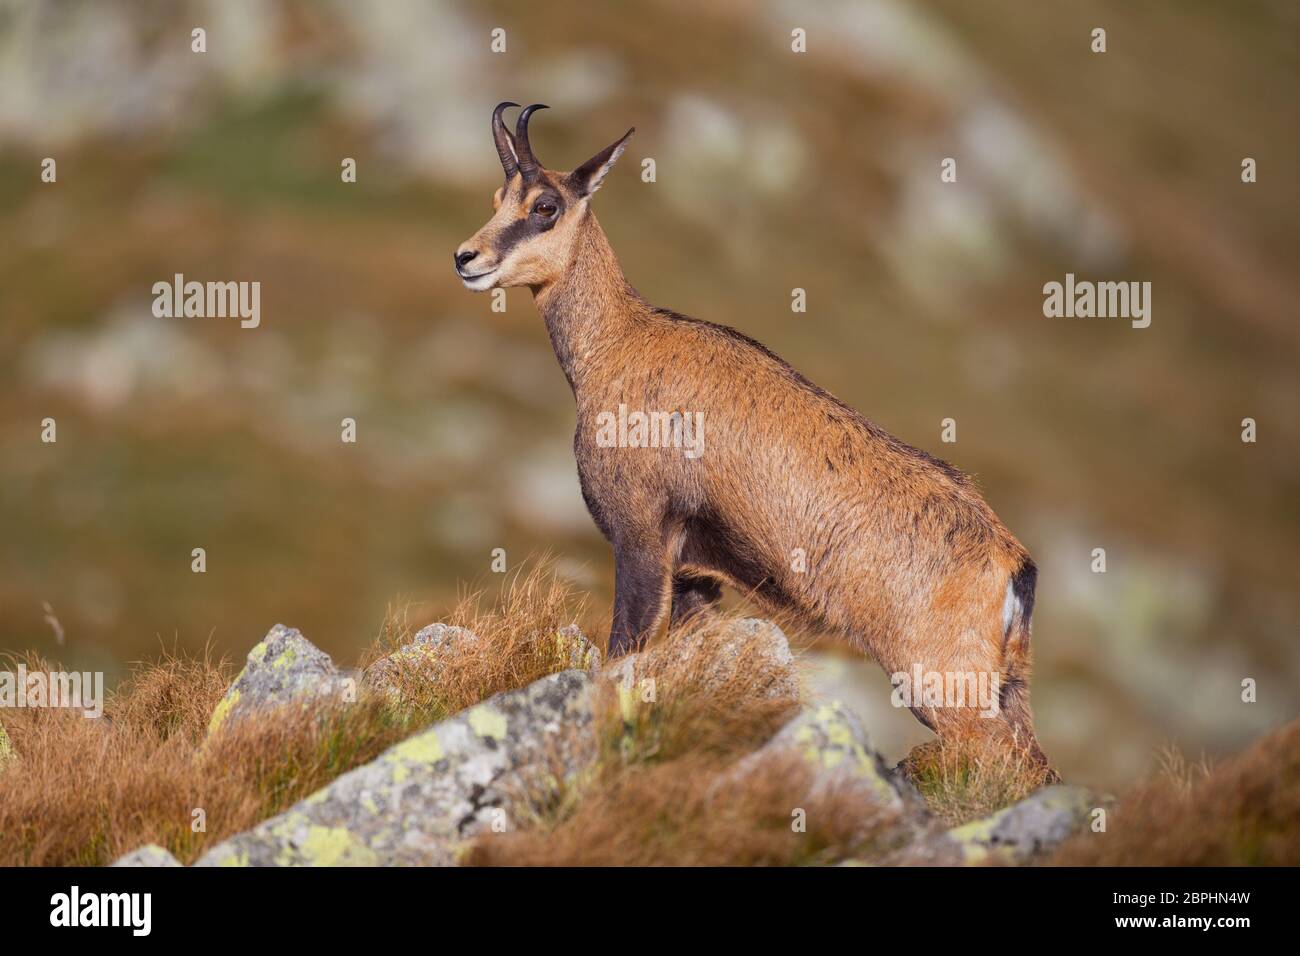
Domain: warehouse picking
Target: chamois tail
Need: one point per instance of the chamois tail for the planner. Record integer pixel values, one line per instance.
(1017, 661)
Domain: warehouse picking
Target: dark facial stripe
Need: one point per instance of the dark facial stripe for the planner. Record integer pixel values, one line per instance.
(528, 226)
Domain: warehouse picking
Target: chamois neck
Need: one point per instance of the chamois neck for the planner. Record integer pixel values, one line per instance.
(590, 305)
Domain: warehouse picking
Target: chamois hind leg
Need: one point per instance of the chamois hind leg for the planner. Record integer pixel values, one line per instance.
(693, 594)
(640, 586)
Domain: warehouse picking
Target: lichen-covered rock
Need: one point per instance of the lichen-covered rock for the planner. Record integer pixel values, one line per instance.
(148, 855)
(444, 637)
(431, 646)
(831, 738)
(284, 666)
(6, 748)
(1014, 834)
(421, 800)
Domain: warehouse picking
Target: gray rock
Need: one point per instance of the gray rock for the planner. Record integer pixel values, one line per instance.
(431, 646)
(148, 855)
(444, 637)
(770, 640)
(1014, 834)
(732, 644)
(575, 651)
(420, 801)
(284, 666)
(831, 738)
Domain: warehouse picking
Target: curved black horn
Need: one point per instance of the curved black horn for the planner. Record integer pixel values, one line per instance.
(501, 136)
(528, 164)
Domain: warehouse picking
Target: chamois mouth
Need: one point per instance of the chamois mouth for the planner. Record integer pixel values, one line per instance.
(475, 282)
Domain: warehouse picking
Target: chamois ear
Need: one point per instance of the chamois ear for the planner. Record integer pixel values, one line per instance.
(586, 179)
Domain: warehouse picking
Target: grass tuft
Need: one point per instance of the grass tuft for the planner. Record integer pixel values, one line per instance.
(965, 779)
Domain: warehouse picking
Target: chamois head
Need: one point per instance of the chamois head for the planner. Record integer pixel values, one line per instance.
(529, 239)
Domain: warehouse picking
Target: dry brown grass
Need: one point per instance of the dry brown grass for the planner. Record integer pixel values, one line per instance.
(517, 641)
(964, 779)
(693, 811)
(707, 698)
(83, 792)
(1244, 812)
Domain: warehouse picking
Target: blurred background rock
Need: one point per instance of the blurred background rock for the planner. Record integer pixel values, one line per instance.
(774, 171)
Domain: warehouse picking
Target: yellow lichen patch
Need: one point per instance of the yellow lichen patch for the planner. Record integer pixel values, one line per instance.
(335, 846)
(6, 748)
(222, 709)
(234, 858)
(287, 657)
(814, 751)
(827, 740)
(487, 721)
(975, 838)
(627, 703)
(573, 650)
(423, 748)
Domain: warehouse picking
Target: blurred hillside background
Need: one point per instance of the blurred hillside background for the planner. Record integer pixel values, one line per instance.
(775, 170)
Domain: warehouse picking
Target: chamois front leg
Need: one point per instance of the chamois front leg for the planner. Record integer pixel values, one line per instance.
(640, 580)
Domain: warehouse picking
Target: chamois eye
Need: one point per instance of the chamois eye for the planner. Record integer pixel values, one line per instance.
(545, 209)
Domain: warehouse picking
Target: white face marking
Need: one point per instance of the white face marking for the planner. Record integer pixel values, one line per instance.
(480, 283)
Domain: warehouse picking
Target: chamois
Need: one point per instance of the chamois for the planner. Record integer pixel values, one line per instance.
(796, 498)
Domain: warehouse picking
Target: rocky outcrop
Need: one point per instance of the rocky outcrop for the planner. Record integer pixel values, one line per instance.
(421, 800)
(149, 855)
(478, 772)
(284, 666)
